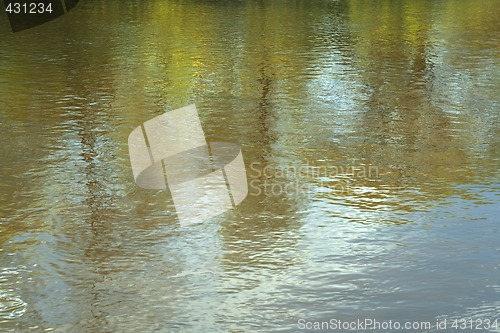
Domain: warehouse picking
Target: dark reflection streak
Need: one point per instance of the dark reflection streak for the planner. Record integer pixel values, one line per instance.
(96, 203)
(264, 105)
(265, 81)
(97, 200)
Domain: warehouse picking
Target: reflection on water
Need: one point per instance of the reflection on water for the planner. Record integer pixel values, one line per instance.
(314, 93)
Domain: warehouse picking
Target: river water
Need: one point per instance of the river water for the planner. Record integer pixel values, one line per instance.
(370, 134)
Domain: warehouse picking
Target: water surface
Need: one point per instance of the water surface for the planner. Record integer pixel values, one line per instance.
(370, 134)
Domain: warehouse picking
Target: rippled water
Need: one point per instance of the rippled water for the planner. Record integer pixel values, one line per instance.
(369, 131)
